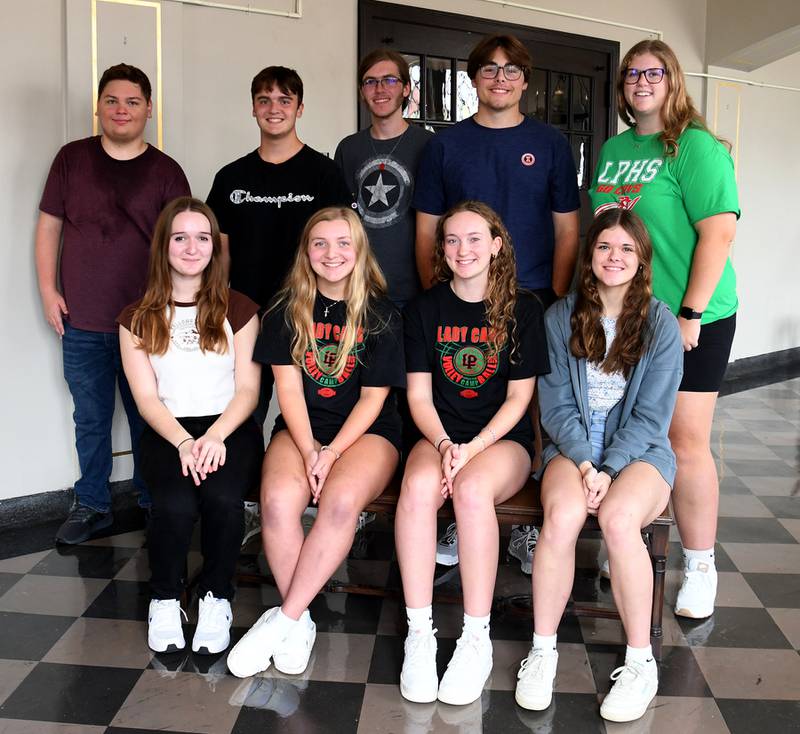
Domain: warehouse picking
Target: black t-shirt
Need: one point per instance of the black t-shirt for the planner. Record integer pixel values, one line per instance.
(448, 338)
(376, 361)
(263, 207)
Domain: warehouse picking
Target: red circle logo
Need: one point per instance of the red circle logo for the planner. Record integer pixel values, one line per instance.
(528, 159)
(326, 392)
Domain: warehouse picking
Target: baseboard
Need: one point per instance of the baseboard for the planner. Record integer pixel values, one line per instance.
(763, 369)
(34, 509)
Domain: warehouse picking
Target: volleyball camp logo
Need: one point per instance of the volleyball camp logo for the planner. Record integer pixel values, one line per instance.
(322, 371)
(467, 366)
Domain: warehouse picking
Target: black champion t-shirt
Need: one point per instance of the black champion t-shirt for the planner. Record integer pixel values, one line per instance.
(263, 207)
(376, 361)
(448, 338)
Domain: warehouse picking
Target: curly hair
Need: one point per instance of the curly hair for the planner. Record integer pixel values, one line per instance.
(501, 291)
(365, 285)
(152, 317)
(679, 112)
(588, 337)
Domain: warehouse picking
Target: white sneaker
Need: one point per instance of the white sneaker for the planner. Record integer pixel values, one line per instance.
(605, 570)
(214, 619)
(252, 521)
(447, 547)
(535, 680)
(418, 680)
(292, 655)
(635, 687)
(522, 544)
(698, 590)
(252, 653)
(164, 630)
(364, 519)
(467, 671)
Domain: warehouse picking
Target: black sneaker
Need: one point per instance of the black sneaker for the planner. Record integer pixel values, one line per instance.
(81, 523)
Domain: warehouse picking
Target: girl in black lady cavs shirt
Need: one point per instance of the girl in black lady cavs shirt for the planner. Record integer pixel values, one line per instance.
(474, 345)
(334, 343)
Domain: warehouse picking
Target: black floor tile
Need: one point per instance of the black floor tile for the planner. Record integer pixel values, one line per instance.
(603, 659)
(567, 714)
(760, 717)
(76, 694)
(7, 580)
(785, 507)
(589, 586)
(734, 627)
(29, 539)
(87, 561)
(121, 600)
(776, 590)
(30, 636)
(311, 707)
(680, 675)
(752, 530)
(346, 613)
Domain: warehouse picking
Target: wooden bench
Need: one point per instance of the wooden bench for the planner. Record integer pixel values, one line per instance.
(525, 508)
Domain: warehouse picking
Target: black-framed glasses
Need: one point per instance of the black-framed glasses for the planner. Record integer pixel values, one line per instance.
(372, 82)
(654, 75)
(512, 72)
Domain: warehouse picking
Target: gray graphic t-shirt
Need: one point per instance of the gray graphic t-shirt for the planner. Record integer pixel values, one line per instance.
(380, 174)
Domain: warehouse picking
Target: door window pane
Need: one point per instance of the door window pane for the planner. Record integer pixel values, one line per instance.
(466, 95)
(559, 99)
(581, 103)
(582, 153)
(537, 95)
(437, 88)
(412, 110)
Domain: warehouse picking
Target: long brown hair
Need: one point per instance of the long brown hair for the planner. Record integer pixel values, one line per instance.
(152, 318)
(588, 337)
(365, 285)
(679, 111)
(501, 290)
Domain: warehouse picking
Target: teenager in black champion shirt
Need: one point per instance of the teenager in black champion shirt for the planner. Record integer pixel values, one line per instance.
(334, 343)
(474, 346)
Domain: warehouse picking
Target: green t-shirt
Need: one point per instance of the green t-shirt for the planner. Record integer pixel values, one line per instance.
(671, 195)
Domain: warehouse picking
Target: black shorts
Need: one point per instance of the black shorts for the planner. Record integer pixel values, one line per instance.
(705, 365)
(387, 426)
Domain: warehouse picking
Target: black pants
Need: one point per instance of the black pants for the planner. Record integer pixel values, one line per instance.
(178, 503)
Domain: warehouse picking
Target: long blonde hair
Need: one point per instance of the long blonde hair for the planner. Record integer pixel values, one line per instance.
(152, 318)
(679, 111)
(366, 284)
(501, 290)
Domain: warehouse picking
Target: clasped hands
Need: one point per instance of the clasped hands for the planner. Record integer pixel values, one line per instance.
(595, 486)
(318, 463)
(200, 457)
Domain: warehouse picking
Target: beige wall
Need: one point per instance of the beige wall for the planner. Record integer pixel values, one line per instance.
(209, 58)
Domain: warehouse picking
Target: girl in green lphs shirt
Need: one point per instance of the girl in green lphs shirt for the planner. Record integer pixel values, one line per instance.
(680, 180)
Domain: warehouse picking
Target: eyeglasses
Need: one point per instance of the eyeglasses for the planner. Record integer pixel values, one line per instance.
(654, 76)
(512, 72)
(387, 81)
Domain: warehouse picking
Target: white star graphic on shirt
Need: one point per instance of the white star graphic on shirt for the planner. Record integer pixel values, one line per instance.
(379, 191)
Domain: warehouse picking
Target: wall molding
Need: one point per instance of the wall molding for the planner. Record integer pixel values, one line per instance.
(763, 369)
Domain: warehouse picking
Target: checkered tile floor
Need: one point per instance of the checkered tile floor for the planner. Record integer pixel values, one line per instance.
(74, 658)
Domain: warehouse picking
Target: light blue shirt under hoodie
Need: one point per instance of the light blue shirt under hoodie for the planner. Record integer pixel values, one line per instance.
(637, 426)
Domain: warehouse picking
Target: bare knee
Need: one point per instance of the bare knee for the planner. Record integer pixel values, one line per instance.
(620, 528)
(340, 509)
(276, 509)
(563, 522)
(471, 494)
(419, 493)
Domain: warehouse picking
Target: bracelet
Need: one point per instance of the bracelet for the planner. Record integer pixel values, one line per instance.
(491, 433)
(438, 442)
(331, 449)
(483, 443)
(183, 442)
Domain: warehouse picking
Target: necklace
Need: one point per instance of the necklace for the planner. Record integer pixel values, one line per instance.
(328, 306)
(382, 164)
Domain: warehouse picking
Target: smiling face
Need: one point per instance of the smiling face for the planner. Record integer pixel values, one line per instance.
(469, 246)
(332, 254)
(123, 111)
(499, 94)
(645, 98)
(276, 112)
(384, 100)
(615, 258)
(190, 244)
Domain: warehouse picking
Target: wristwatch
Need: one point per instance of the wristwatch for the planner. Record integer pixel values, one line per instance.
(688, 313)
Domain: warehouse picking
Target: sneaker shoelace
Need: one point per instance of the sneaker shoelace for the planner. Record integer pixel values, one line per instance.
(694, 578)
(533, 667)
(450, 535)
(82, 513)
(467, 652)
(419, 645)
(530, 539)
(627, 675)
(212, 614)
(162, 614)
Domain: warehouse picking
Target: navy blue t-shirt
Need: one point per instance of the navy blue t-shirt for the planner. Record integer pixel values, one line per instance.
(525, 173)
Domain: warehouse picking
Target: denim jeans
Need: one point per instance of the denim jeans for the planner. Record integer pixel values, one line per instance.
(597, 435)
(92, 369)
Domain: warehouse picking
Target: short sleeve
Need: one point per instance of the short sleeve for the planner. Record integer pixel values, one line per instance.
(384, 365)
(52, 201)
(530, 356)
(704, 171)
(429, 190)
(563, 178)
(125, 317)
(177, 186)
(273, 345)
(240, 310)
(417, 352)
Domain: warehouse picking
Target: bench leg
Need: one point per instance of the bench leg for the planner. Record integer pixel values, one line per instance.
(658, 545)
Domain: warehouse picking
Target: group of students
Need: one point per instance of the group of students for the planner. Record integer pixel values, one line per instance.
(611, 364)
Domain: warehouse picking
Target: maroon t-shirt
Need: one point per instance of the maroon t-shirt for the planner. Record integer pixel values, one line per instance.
(109, 208)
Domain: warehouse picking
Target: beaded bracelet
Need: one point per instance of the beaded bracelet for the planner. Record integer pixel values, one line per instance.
(483, 442)
(491, 433)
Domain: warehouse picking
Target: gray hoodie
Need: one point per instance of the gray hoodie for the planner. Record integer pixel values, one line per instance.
(637, 426)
